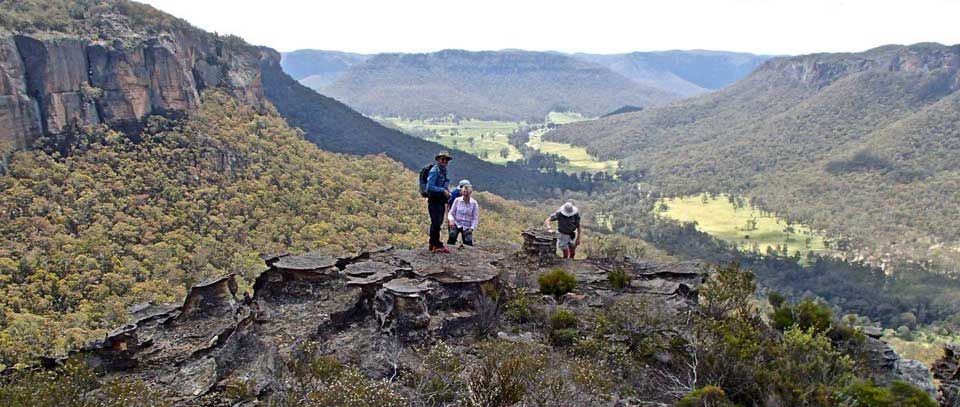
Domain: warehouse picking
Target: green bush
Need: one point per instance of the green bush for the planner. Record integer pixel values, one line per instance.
(563, 324)
(708, 396)
(619, 279)
(899, 394)
(728, 291)
(518, 308)
(806, 370)
(907, 395)
(557, 282)
(807, 314)
(562, 319)
(563, 337)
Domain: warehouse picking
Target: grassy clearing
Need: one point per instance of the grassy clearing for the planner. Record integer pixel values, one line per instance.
(565, 117)
(580, 160)
(925, 346)
(486, 139)
(744, 226)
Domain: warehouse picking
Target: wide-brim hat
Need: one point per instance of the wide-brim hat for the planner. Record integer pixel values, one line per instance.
(444, 154)
(572, 210)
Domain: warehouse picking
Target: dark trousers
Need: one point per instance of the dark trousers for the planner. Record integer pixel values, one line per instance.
(437, 209)
(467, 236)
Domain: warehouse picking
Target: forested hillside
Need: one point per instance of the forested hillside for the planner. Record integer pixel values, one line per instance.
(503, 85)
(123, 219)
(865, 146)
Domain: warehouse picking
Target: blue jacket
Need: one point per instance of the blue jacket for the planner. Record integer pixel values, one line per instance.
(437, 181)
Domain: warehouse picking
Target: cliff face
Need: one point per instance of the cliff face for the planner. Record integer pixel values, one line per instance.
(52, 82)
(817, 71)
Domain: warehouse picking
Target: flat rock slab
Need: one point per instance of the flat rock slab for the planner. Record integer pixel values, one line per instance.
(306, 262)
(461, 265)
(682, 269)
(371, 272)
(407, 287)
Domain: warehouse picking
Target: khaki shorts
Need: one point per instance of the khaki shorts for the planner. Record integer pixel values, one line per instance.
(566, 242)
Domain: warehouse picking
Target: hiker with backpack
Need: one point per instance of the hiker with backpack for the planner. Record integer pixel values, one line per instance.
(464, 215)
(568, 224)
(434, 186)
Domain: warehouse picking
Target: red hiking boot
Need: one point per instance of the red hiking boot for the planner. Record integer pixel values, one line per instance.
(442, 249)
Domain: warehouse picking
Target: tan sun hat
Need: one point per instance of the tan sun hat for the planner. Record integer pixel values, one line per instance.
(444, 153)
(568, 209)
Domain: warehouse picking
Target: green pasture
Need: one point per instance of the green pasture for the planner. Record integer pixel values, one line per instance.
(487, 138)
(580, 160)
(565, 117)
(482, 138)
(745, 226)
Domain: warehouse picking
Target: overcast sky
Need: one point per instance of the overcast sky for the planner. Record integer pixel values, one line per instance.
(599, 26)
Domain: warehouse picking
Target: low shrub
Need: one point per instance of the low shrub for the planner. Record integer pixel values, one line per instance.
(518, 308)
(563, 337)
(899, 394)
(619, 279)
(562, 319)
(504, 374)
(557, 282)
(707, 396)
(807, 314)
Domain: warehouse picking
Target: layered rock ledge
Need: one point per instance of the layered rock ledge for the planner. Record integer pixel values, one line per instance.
(354, 308)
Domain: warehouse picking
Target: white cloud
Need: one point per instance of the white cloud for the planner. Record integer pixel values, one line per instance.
(604, 26)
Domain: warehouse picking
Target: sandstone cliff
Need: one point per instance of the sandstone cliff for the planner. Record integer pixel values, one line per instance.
(52, 82)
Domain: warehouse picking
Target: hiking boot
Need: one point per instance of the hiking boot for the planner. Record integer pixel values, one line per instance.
(442, 249)
(433, 249)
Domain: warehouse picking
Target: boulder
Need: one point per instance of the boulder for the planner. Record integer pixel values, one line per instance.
(947, 371)
(915, 373)
(540, 245)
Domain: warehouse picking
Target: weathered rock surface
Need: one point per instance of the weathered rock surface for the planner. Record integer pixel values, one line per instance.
(52, 82)
(358, 309)
(947, 371)
(885, 365)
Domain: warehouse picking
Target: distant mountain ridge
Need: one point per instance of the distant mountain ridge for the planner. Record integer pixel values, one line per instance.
(318, 68)
(511, 85)
(683, 73)
(864, 145)
(686, 73)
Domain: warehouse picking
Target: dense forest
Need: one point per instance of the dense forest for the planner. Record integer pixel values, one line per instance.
(863, 146)
(121, 220)
(499, 85)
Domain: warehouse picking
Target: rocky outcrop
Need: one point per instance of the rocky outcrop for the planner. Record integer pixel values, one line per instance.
(356, 308)
(885, 365)
(947, 371)
(50, 83)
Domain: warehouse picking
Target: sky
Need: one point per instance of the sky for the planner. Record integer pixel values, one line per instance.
(597, 26)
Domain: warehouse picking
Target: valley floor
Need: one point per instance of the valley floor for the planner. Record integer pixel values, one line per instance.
(489, 139)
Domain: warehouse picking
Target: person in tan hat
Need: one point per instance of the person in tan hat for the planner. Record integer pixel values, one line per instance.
(437, 196)
(568, 224)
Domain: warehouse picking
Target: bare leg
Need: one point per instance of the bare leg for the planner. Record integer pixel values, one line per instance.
(573, 252)
(566, 253)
